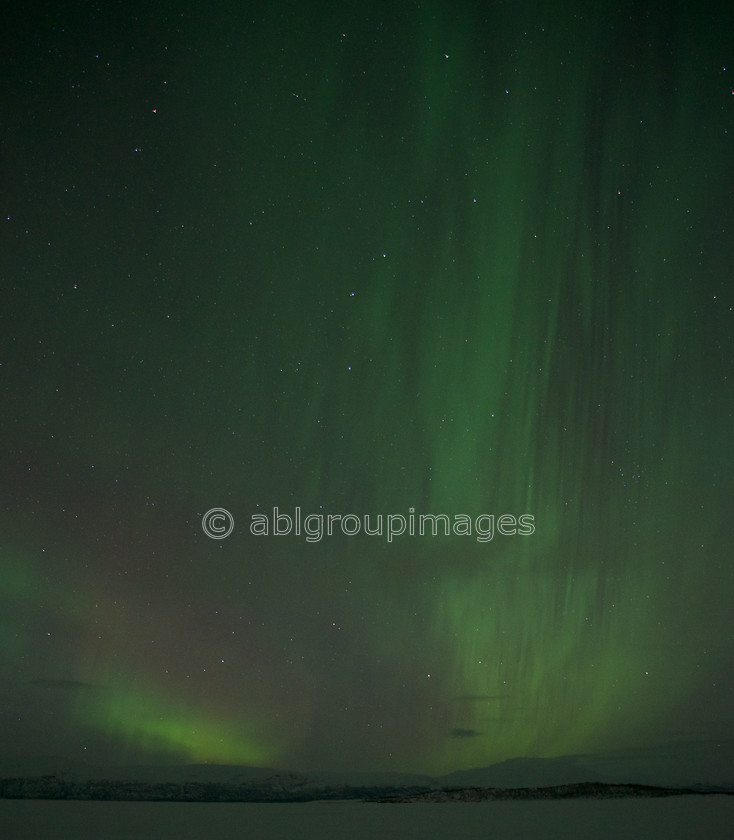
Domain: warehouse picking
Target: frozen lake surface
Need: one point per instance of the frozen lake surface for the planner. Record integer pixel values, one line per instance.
(709, 817)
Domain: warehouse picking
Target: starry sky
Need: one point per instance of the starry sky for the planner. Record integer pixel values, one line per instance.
(373, 261)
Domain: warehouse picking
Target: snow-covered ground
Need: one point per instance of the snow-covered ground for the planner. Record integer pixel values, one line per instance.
(684, 817)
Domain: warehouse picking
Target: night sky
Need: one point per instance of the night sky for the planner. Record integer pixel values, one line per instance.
(378, 260)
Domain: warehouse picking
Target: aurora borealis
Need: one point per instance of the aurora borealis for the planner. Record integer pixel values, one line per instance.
(461, 259)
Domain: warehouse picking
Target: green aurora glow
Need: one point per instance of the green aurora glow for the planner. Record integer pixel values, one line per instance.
(470, 259)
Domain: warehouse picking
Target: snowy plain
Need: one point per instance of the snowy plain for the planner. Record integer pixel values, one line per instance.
(673, 818)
